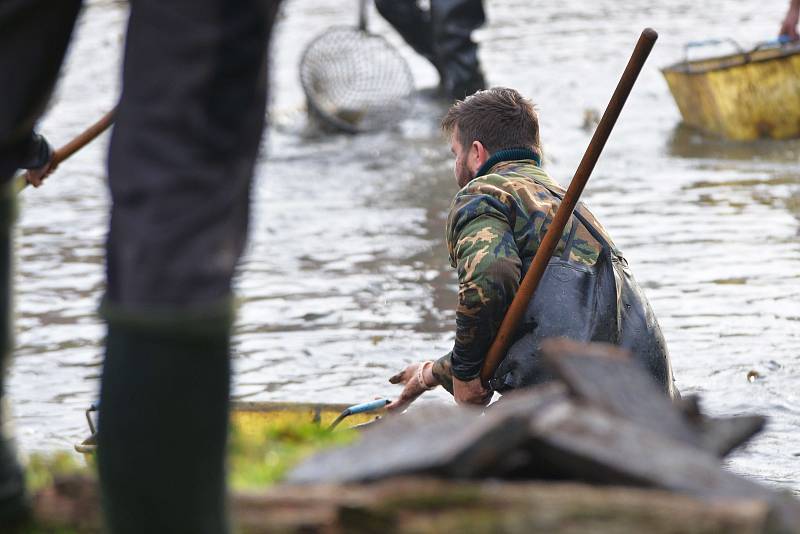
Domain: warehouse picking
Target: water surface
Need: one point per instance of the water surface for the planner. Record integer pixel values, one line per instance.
(346, 278)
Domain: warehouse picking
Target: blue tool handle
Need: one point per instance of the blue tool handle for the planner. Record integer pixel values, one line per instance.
(367, 406)
(780, 41)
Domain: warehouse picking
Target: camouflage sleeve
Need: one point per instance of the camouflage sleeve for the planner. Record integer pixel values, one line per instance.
(37, 154)
(443, 371)
(487, 260)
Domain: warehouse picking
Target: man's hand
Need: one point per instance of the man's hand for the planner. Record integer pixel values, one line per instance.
(471, 392)
(417, 379)
(36, 177)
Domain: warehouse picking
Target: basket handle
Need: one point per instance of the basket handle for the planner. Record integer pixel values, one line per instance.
(92, 408)
(709, 42)
(362, 15)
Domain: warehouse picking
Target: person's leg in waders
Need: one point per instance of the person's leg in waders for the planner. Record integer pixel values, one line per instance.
(181, 158)
(29, 63)
(412, 23)
(453, 22)
(443, 35)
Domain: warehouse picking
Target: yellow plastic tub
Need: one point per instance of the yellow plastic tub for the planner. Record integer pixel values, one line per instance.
(742, 96)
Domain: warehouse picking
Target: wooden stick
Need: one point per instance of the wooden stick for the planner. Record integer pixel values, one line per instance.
(83, 139)
(516, 310)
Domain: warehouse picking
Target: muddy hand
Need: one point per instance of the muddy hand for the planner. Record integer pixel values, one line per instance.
(471, 392)
(416, 379)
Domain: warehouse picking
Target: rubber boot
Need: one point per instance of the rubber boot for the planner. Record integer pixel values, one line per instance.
(163, 423)
(14, 505)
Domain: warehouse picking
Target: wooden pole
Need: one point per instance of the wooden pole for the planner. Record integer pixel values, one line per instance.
(516, 310)
(83, 139)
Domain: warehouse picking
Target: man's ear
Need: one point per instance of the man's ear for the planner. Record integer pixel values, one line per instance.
(478, 155)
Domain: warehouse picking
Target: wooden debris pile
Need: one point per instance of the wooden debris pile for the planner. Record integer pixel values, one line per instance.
(603, 422)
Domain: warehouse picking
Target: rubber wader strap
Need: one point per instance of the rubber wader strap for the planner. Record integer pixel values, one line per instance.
(568, 244)
(589, 226)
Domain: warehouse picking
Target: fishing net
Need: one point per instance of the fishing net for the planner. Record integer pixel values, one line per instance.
(355, 81)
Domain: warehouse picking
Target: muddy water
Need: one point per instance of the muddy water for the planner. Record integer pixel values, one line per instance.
(346, 277)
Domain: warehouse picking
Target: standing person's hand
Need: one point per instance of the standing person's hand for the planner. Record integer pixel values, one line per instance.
(789, 25)
(36, 176)
(471, 392)
(417, 378)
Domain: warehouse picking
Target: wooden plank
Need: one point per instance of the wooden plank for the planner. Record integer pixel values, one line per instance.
(721, 435)
(421, 506)
(588, 444)
(605, 376)
(447, 441)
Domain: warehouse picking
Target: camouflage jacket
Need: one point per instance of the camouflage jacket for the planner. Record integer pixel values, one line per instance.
(495, 225)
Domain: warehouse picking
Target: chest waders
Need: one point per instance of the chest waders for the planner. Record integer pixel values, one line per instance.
(587, 303)
(181, 161)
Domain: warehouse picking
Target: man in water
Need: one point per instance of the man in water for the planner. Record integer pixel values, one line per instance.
(187, 133)
(443, 35)
(496, 222)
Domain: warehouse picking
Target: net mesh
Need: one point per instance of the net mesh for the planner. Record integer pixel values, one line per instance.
(355, 80)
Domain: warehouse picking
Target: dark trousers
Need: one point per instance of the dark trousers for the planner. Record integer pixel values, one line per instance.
(183, 148)
(443, 35)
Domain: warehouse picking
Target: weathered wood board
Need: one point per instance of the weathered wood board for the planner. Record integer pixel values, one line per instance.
(421, 506)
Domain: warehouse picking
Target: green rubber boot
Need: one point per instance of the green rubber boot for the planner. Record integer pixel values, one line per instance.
(14, 504)
(163, 423)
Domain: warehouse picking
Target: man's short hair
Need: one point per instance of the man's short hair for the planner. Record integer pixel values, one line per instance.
(499, 118)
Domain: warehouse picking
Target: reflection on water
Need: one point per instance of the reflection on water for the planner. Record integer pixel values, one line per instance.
(346, 277)
(687, 142)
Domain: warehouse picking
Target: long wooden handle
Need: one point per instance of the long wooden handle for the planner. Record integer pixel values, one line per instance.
(83, 139)
(527, 287)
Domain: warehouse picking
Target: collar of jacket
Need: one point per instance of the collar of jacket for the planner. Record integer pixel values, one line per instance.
(508, 154)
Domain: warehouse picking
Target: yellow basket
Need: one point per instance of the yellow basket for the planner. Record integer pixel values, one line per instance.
(742, 96)
(252, 417)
